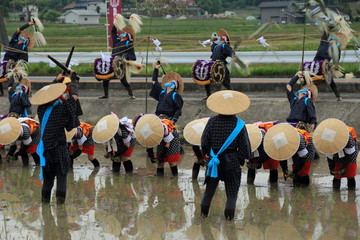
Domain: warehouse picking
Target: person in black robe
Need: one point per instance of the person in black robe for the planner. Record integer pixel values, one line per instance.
(123, 46)
(302, 109)
(220, 52)
(18, 45)
(170, 103)
(215, 134)
(322, 53)
(63, 115)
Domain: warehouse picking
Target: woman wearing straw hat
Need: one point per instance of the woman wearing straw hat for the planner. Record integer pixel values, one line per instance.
(82, 142)
(25, 130)
(259, 158)
(152, 131)
(226, 141)
(192, 133)
(302, 108)
(119, 138)
(30, 139)
(19, 100)
(339, 143)
(169, 99)
(282, 142)
(56, 111)
(169, 148)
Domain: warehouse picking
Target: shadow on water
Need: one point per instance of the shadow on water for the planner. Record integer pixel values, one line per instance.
(104, 205)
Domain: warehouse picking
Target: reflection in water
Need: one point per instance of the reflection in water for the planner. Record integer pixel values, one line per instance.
(104, 205)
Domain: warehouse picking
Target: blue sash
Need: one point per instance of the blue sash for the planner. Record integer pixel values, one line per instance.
(40, 148)
(212, 170)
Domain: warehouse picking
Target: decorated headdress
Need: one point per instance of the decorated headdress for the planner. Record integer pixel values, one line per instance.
(341, 39)
(344, 27)
(19, 71)
(134, 22)
(38, 36)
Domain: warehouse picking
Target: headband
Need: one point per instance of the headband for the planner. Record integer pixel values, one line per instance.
(172, 85)
(304, 91)
(25, 39)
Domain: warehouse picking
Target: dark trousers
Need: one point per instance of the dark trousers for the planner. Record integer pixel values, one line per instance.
(123, 81)
(226, 83)
(211, 185)
(334, 88)
(49, 177)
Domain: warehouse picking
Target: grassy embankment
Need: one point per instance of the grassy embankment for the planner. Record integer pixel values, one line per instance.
(184, 35)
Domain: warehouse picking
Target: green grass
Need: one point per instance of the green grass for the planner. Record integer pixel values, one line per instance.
(256, 70)
(180, 35)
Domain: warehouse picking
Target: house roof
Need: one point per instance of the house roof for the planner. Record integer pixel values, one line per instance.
(275, 4)
(69, 6)
(83, 13)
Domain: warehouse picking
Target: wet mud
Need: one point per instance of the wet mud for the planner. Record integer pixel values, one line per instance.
(101, 204)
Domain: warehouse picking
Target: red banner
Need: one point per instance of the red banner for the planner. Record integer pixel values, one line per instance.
(113, 8)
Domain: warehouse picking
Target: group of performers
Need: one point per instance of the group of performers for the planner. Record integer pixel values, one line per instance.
(224, 144)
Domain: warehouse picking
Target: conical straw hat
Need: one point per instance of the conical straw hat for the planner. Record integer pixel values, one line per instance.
(281, 141)
(194, 130)
(255, 136)
(223, 32)
(228, 102)
(29, 36)
(10, 129)
(341, 39)
(105, 128)
(330, 136)
(129, 30)
(168, 77)
(314, 91)
(149, 130)
(48, 94)
(69, 135)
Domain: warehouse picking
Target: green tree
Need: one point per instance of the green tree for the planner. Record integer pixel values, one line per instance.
(212, 6)
(51, 15)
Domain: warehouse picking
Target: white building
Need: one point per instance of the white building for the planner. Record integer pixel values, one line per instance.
(80, 17)
(93, 6)
(34, 11)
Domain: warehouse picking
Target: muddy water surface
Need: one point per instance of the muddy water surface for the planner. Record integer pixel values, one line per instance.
(104, 205)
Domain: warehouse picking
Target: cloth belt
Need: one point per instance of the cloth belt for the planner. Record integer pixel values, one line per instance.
(212, 170)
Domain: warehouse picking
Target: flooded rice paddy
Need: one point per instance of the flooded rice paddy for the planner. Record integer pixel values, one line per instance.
(101, 204)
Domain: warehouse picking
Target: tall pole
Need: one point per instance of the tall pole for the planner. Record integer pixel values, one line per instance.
(147, 61)
(304, 33)
(107, 25)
